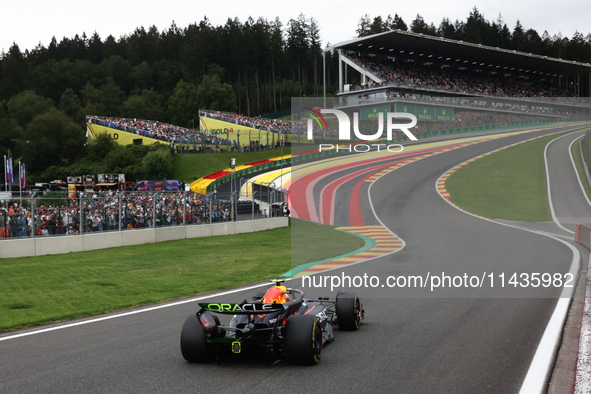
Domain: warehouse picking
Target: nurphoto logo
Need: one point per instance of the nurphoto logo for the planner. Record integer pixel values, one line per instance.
(345, 128)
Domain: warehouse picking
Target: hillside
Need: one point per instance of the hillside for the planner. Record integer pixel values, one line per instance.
(190, 167)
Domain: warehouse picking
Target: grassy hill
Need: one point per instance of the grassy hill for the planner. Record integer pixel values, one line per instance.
(190, 167)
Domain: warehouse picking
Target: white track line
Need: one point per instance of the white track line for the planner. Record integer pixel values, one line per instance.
(134, 312)
(549, 193)
(541, 366)
(583, 369)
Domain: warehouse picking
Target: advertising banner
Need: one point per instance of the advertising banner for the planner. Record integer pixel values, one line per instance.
(236, 132)
(427, 114)
(88, 180)
(76, 180)
(444, 114)
(374, 112)
(121, 137)
(111, 178)
(408, 108)
(155, 186)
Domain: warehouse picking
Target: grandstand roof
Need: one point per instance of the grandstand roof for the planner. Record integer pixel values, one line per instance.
(418, 45)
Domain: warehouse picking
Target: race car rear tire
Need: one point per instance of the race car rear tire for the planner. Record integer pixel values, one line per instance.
(194, 345)
(348, 311)
(303, 340)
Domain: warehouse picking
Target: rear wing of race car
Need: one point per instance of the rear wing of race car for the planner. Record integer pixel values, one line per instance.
(241, 309)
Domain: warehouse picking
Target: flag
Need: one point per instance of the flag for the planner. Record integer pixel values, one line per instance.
(9, 177)
(23, 175)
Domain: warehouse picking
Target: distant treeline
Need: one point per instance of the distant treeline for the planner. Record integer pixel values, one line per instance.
(476, 29)
(252, 67)
(265, 62)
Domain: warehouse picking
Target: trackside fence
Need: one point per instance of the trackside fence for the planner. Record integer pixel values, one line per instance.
(92, 213)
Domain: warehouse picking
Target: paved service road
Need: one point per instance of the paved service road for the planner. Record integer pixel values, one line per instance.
(405, 345)
(569, 202)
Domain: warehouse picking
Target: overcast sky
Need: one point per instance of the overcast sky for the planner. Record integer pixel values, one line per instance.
(28, 23)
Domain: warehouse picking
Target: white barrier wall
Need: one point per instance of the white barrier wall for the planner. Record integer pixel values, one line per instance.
(48, 245)
(39, 246)
(171, 233)
(17, 248)
(583, 235)
(138, 237)
(198, 231)
(100, 241)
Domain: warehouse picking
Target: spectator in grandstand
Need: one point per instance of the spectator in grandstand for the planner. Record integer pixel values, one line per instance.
(157, 130)
(436, 76)
(271, 125)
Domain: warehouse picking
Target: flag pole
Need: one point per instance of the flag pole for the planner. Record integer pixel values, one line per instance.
(9, 170)
(5, 175)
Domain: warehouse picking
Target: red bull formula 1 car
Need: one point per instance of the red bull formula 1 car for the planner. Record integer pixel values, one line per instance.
(280, 321)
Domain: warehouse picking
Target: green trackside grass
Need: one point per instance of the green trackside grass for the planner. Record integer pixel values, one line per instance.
(579, 162)
(190, 167)
(509, 184)
(313, 242)
(37, 290)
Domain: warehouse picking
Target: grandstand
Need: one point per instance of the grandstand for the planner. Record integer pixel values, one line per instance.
(453, 84)
(270, 125)
(450, 83)
(246, 133)
(400, 68)
(147, 132)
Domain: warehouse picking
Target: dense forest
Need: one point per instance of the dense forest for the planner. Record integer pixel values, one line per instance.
(476, 29)
(253, 67)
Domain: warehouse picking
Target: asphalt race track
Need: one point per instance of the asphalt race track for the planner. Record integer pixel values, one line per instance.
(408, 343)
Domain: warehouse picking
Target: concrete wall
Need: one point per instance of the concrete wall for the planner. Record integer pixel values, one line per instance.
(39, 246)
(583, 235)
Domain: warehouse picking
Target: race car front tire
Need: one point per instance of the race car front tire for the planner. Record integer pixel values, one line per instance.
(303, 340)
(348, 311)
(194, 345)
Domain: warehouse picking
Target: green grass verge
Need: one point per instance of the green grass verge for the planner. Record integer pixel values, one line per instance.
(509, 184)
(576, 152)
(36, 290)
(190, 167)
(313, 242)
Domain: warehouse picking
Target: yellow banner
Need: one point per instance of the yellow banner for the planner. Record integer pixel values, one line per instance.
(235, 132)
(121, 137)
(72, 191)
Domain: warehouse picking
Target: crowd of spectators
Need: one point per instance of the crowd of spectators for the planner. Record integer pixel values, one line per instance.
(390, 71)
(270, 125)
(108, 211)
(259, 123)
(481, 103)
(193, 141)
(443, 77)
(158, 130)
